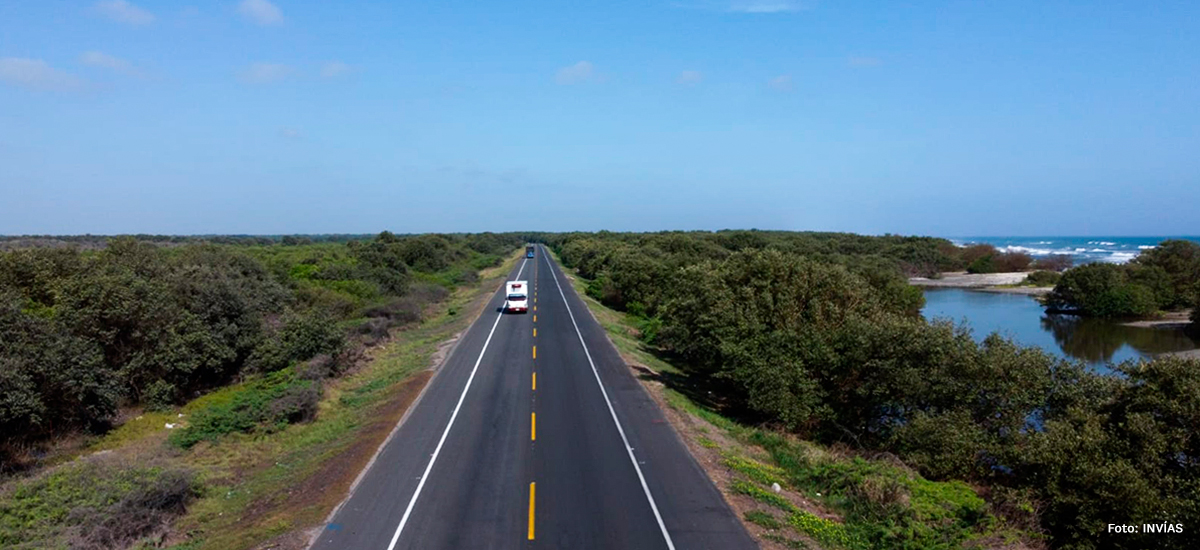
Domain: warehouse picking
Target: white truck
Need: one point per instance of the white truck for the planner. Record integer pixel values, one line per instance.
(516, 297)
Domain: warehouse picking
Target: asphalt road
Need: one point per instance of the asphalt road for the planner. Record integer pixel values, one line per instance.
(535, 435)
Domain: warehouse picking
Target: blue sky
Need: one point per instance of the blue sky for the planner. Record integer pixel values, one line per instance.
(256, 116)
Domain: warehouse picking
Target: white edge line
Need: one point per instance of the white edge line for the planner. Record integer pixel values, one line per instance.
(424, 476)
(379, 451)
(613, 412)
(312, 541)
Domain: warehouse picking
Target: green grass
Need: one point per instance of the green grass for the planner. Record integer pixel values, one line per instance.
(244, 407)
(762, 495)
(755, 470)
(786, 542)
(763, 519)
(74, 500)
(828, 533)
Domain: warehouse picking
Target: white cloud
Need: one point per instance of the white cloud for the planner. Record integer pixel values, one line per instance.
(860, 61)
(333, 69)
(782, 83)
(105, 61)
(265, 73)
(261, 12)
(575, 74)
(124, 12)
(690, 77)
(35, 74)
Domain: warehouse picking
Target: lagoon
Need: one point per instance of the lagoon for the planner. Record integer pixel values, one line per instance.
(1098, 342)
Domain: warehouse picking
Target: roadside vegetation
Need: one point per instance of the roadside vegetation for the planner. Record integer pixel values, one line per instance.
(830, 349)
(245, 353)
(1163, 278)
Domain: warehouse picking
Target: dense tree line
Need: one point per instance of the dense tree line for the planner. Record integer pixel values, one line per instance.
(829, 345)
(1162, 278)
(83, 332)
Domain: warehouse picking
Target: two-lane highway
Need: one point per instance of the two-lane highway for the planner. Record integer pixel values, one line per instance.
(534, 435)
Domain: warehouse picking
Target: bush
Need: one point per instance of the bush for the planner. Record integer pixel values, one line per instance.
(1010, 262)
(1043, 278)
(302, 337)
(1179, 261)
(1101, 290)
(138, 323)
(94, 503)
(1054, 262)
(983, 264)
(1000, 262)
(267, 403)
(973, 253)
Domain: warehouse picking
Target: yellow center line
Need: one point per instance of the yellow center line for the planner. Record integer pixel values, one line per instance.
(535, 381)
(535, 332)
(535, 352)
(532, 487)
(535, 318)
(535, 308)
(533, 426)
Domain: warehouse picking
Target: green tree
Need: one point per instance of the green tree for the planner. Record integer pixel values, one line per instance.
(1102, 290)
(1179, 260)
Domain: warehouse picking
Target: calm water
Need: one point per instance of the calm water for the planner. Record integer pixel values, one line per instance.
(1021, 318)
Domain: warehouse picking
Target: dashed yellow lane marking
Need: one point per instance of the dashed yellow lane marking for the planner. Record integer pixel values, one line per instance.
(535, 318)
(532, 493)
(535, 381)
(533, 426)
(535, 333)
(535, 352)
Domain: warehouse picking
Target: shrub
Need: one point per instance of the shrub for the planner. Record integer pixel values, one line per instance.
(983, 264)
(161, 395)
(973, 253)
(1179, 261)
(1043, 278)
(265, 403)
(297, 403)
(1054, 262)
(1101, 290)
(763, 519)
(94, 503)
(1009, 262)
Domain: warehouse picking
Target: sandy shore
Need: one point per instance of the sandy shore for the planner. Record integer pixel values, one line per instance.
(1171, 320)
(989, 282)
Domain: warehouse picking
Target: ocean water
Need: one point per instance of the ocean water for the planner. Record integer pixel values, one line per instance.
(1082, 249)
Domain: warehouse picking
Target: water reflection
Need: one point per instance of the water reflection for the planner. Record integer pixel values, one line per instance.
(1098, 340)
(1022, 318)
